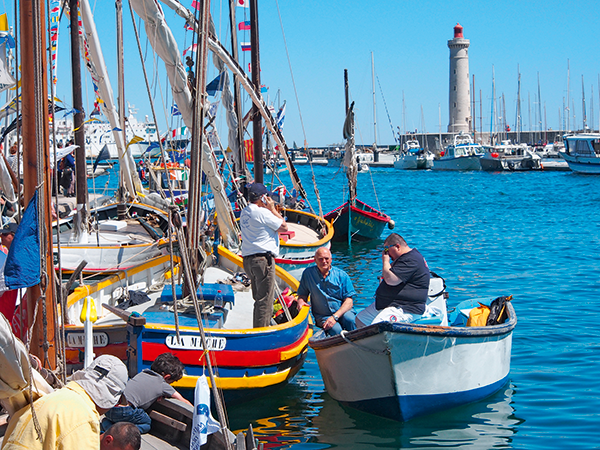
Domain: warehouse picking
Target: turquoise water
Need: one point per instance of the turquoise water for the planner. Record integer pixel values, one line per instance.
(533, 235)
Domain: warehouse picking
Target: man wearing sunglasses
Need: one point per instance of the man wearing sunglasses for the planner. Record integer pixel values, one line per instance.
(402, 292)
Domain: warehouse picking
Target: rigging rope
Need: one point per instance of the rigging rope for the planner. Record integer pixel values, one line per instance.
(287, 53)
(386, 110)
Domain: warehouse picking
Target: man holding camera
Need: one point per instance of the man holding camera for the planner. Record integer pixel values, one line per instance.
(261, 224)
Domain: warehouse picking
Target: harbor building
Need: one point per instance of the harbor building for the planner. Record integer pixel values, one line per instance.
(459, 96)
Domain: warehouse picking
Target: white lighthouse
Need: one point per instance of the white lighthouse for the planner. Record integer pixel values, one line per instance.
(459, 104)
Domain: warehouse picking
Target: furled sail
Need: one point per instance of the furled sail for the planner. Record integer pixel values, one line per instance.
(349, 162)
(97, 69)
(222, 54)
(164, 44)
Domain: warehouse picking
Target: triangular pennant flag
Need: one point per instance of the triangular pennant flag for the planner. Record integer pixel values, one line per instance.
(214, 86)
(102, 156)
(134, 140)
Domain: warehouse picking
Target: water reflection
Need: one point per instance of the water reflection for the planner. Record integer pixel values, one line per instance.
(312, 419)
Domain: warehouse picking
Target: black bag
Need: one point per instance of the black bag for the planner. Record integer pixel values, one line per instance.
(498, 312)
(134, 298)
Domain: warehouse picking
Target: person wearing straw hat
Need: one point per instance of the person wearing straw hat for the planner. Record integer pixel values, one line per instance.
(69, 418)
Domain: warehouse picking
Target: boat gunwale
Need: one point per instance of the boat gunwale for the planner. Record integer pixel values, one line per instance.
(323, 241)
(372, 213)
(411, 328)
(118, 277)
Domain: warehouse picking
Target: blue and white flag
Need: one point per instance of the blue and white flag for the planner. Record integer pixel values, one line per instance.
(281, 117)
(175, 110)
(22, 267)
(203, 423)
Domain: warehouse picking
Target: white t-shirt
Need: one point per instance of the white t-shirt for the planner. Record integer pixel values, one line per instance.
(259, 230)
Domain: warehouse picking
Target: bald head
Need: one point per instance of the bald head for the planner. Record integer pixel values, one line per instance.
(323, 260)
(121, 436)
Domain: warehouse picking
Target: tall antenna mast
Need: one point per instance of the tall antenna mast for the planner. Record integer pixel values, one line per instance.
(568, 99)
(374, 104)
(518, 118)
(584, 116)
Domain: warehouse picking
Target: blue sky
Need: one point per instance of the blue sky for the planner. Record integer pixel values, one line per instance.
(409, 44)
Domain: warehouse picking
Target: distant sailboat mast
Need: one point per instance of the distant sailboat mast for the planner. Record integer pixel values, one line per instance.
(539, 106)
(568, 98)
(584, 116)
(492, 115)
(592, 107)
(375, 153)
(518, 118)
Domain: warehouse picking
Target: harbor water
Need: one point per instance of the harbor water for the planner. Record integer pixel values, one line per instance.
(535, 235)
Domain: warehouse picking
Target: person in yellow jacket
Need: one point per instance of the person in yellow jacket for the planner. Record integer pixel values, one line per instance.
(69, 418)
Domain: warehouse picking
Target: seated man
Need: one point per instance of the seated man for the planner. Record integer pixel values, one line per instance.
(402, 293)
(331, 293)
(144, 389)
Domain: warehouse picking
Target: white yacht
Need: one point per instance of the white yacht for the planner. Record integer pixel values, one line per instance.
(413, 157)
(462, 154)
(510, 157)
(582, 152)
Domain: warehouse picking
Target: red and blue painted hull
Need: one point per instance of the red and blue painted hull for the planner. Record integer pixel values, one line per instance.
(364, 224)
(247, 362)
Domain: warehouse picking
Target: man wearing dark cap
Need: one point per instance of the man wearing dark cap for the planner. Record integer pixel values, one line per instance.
(261, 224)
(69, 418)
(7, 234)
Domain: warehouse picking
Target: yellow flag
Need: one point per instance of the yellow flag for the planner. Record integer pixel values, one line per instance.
(3, 22)
(135, 140)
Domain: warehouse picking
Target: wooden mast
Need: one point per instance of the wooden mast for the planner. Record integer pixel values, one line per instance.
(78, 125)
(36, 172)
(257, 119)
(239, 159)
(121, 208)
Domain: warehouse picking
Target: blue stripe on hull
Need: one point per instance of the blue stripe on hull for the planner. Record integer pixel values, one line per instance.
(250, 341)
(403, 408)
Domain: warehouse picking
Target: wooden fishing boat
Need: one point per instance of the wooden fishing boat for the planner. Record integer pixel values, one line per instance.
(405, 370)
(124, 236)
(249, 361)
(362, 221)
(306, 233)
(355, 219)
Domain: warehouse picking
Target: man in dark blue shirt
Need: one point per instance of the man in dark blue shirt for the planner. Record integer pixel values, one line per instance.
(331, 293)
(402, 293)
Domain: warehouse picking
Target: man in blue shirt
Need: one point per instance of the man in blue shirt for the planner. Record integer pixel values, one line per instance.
(331, 293)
